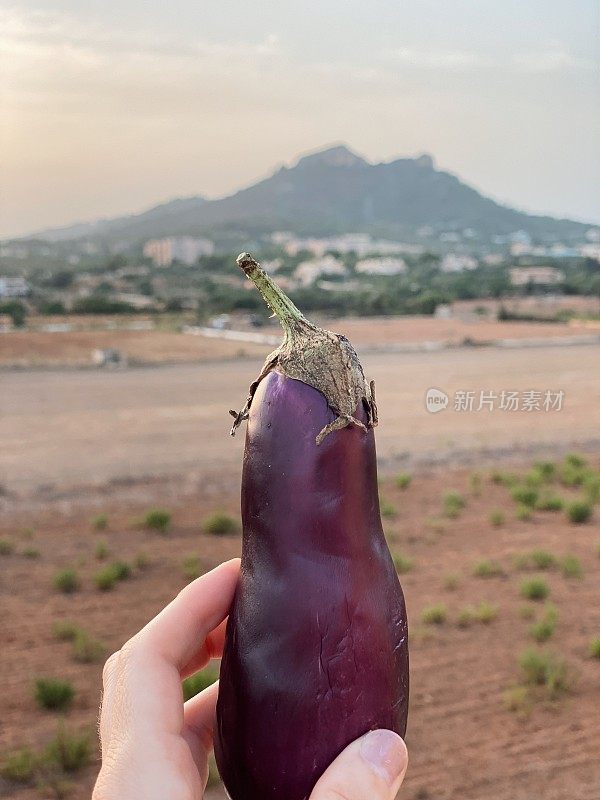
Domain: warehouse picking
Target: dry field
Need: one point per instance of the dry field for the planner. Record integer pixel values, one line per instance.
(467, 737)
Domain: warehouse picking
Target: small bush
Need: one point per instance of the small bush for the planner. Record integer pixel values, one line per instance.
(591, 488)
(579, 511)
(595, 648)
(466, 617)
(543, 630)
(221, 524)
(387, 509)
(100, 523)
(535, 589)
(542, 559)
(403, 480)
(66, 581)
(544, 669)
(54, 695)
(525, 496)
(523, 513)
(6, 547)
(106, 579)
(199, 681)
(534, 479)
(575, 460)
(122, 570)
(434, 615)
(403, 564)
(158, 520)
(517, 699)
(101, 552)
(503, 478)
(19, 766)
(550, 502)
(141, 561)
(486, 613)
(31, 552)
(571, 567)
(69, 751)
(192, 567)
(497, 518)
(453, 503)
(488, 569)
(571, 475)
(547, 469)
(451, 582)
(65, 631)
(86, 649)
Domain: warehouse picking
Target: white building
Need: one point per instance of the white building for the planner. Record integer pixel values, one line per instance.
(308, 271)
(186, 249)
(13, 286)
(540, 276)
(456, 263)
(381, 266)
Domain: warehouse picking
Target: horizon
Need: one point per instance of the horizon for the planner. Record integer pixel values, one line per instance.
(105, 121)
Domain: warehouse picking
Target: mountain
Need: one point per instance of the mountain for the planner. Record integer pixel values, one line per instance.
(335, 191)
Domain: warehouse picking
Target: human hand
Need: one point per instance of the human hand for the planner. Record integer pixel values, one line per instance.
(155, 747)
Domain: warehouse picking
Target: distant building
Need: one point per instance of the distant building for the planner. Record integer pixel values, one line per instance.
(13, 286)
(360, 243)
(538, 276)
(590, 251)
(308, 271)
(381, 266)
(186, 249)
(456, 263)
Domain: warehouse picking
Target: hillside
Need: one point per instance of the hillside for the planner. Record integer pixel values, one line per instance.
(331, 191)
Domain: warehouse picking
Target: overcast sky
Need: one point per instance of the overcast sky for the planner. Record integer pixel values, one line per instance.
(110, 106)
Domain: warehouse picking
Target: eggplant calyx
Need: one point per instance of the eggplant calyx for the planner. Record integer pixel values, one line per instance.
(318, 357)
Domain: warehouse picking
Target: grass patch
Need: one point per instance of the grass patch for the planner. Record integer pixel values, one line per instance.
(550, 502)
(86, 649)
(517, 699)
(220, 524)
(542, 559)
(466, 617)
(434, 615)
(535, 589)
(69, 751)
(547, 469)
(31, 552)
(108, 577)
(486, 613)
(544, 629)
(192, 567)
(403, 564)
(544, 669)
(100, 522)
(575, 460)
(158, 519)
(571, 567)
(591, 487)
(403, 480)
(19, 766)
(579, 511)
(199, 681)
(54, 695)
(453, 503)
(595, 648)
(525, 496)
(387, 509)
(524, 513)
(66, 581)
(488, 569)
(497, 518)
(6, 547)
(101, 551)
(451, 582)
(65, 630)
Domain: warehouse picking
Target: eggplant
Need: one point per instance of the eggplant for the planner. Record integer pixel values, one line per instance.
(316, 647)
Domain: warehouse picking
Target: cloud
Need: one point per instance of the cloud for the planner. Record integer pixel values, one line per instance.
(437, 59)
(553, 59)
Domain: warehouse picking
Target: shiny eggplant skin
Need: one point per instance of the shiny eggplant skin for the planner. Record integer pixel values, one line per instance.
(316, 650)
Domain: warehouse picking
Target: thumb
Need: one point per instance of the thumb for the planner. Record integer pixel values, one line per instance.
(372, 766)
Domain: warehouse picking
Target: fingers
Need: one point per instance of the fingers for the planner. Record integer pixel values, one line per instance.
(373, 766)
(198, 717)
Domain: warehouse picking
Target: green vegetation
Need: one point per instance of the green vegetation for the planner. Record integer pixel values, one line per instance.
(571, 567)
(100, 522)
(108, 577)
(403, 480)
(547, 469)
(466, 617)
(86, 649)
(575, 461)
(488, 569)
(434, 615)
(591, 487)
(544, 669)
(101, 552)
(69, 751)
(507, 479)
(542, 559)
(542, 631)
(524, 513)
(497, 518)
(535, 589)
(192, 567)
(451, 582)
(486, 613)
(524, 496)
(31, 552)
(157, 519)
(402, 563)
(65, 630)
(66, 581)
(550, 502)
(19, 766)
(54, 695)
(517, 699)
(6, 547)
(579, 511)
(595, 648)
(387, 509)
(220, 524)
(199, 681)
(453, 503)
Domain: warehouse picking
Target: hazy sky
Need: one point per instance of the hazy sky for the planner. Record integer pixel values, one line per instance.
(111, 106)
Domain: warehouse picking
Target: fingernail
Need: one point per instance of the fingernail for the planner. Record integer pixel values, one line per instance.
(385, 752)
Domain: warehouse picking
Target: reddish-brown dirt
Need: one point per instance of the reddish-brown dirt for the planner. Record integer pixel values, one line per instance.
(463, 742)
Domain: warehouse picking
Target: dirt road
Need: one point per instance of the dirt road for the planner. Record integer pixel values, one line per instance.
(74, 427)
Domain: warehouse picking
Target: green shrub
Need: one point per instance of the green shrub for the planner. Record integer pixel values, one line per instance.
(106, 579)
(466, 617)
(54, 695)
(122, 570)
(550, 502)
(402, 563)
(595, 648)
(571, 567)
(66, 581)
(403, 480)
(69, 751)
(534, 479)
(221, 524)
(101, 552)
(486, 613)
(579, 511)
(451, 582)
(100, 522)
(19, 766)
(591, 487)
(503, 478)
(86, 649)
(543, 630)
(488, 569)
(199, 681)
(542, 559)
(544, 669)
(6, 547)
(387, 509)
(535, 589)
(524, 513)
(434, 615)
(571, 475)
(497, 518)
(192, 567)
(525, 496)
(575, 460)
(31, 552)
(547, 469)
(157, 519)
(65, 631)
(517, 699)
(453, 503)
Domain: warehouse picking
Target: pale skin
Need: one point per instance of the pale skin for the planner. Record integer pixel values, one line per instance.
(155, 746)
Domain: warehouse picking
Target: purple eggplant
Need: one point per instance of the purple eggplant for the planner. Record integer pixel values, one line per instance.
(316, 650)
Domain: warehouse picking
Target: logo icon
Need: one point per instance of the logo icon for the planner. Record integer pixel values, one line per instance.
(435, 400)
